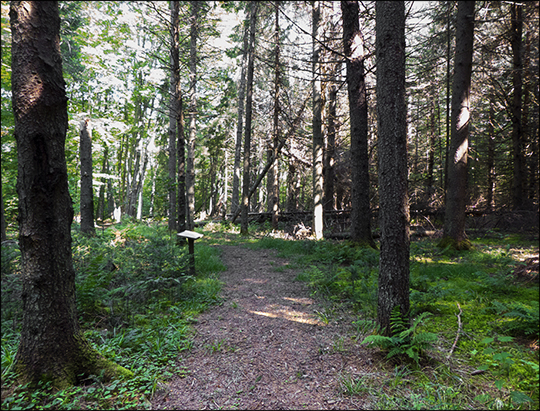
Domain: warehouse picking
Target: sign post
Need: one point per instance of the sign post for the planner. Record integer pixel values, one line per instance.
(191, 237)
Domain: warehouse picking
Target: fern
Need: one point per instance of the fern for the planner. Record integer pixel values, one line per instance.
(405, 340)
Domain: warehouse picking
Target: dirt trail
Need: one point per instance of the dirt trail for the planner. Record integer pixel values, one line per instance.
(264, 347)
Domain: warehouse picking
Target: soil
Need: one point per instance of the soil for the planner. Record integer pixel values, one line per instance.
(265, 346)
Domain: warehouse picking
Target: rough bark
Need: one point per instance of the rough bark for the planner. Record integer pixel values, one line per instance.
(358, 109)
(52, 347)
(318, 140)
(456, 196)
(247, 135)
(87, 192)
(392, 149)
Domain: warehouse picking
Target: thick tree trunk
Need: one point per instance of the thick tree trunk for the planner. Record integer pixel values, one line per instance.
(318, 140)
(392, 149)
(52, 348)
(354, 50)
(87, 192)
(247, 136)
(456, 196)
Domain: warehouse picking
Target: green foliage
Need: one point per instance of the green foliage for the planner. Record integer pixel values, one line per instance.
(519, 319)
(405, 340)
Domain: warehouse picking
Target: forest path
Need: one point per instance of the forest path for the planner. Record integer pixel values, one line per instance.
(264, 347)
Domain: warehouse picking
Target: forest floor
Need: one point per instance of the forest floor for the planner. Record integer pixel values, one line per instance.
(265, 347)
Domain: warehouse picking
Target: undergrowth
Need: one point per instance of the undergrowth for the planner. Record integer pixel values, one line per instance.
(136, 303)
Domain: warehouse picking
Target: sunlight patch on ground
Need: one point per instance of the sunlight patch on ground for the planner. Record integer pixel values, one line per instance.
(305, 301)
(290, 315)
(255, 281)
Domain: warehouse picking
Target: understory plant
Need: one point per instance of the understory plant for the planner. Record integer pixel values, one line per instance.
(405, 340)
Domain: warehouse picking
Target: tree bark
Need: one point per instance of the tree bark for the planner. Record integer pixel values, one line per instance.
(190, 164)
(456, 196)
(239, 125)
(518, 181)
(329, 157)
(392, 149)
(52, 347)
(173, 112)
(247, 140)
(318, 141)
(87, 192)
(273, 174)
(353, 48)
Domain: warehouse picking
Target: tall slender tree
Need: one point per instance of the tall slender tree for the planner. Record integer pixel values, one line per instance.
(519, 175)
(456, 196)
(392, 149)
(358, 109)
(240, 120)
(253, 5)
(318, 140)
(87, 191)
(52, 346)
(192, 115)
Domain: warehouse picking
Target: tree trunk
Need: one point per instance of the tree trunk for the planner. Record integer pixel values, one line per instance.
(190, 164)
(518, 182)
(239, 126)
(3, 218)
(329, 158)
(354, 50)
(456, 196)
(318, 141)
(273, 187)
(173, 113)
(87, 192)
(247, 140)
(52, 347)
(392, 148)
(490, 159)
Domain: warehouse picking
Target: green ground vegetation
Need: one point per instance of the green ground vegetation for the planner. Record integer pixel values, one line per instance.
(138, 303)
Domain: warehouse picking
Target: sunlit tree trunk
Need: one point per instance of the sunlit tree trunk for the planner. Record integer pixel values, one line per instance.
(247, 136)
(318, 141)
(87, 192)
(354, 50)
(392, 149)
(52, 347)
(456, 196)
